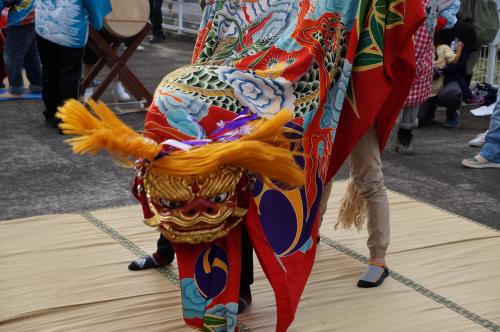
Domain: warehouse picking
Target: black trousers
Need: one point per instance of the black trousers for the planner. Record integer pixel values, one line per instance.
(61, 71)
(246, 277)
(155, 16)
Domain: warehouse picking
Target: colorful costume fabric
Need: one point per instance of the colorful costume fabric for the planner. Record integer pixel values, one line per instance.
(252, 60)
(65, 22)
(19, 13)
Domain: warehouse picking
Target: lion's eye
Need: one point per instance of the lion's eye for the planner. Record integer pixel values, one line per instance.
(171, 204)
(220, 198)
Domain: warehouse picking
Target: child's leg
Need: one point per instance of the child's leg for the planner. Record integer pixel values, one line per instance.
(32, 62)
(466, 91)
(16, 46)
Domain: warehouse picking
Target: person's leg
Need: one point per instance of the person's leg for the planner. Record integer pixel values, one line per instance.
(70, 71)
(246, 274)
(489, 157)
(16, 46)
(426, 112)
(366, 170)
(491, 147)
(50, 74)
(32, 63)
(163, 255)
(156, 18)
(451, 98)
(90, 58)
(323, 204)
(407, 121)
(451, 118)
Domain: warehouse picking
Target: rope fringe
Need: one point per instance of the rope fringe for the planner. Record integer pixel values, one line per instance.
(352, 211)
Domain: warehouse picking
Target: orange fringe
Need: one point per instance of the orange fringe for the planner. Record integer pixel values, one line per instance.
(264, 151)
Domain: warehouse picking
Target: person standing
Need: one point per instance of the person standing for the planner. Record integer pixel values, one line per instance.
(62, 29)
(20, 50)
(156, 18)
(421, 87)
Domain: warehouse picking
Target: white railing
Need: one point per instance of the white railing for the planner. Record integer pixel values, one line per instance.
(487, 68)
(182, 16)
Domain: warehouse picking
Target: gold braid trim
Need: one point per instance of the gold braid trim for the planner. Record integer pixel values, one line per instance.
(204, 92)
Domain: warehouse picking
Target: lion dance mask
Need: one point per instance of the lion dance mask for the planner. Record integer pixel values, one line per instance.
(245, 137)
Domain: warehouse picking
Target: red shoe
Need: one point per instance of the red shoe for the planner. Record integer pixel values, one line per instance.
(475, 100)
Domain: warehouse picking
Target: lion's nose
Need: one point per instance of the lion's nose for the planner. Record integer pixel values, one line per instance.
(199, 205)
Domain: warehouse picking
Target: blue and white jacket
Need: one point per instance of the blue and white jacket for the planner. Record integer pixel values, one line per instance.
(65, 22)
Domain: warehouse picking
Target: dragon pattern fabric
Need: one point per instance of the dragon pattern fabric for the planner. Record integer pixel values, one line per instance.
(208, 167)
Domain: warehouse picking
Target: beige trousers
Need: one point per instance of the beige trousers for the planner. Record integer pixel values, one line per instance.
(366, 170)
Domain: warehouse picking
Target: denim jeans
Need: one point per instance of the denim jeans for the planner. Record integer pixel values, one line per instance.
(21, 52)
(156, 17)
(491, 147)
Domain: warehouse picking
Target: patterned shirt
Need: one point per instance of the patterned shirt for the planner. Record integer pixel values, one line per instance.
(424, 51)
(22, 13)
(65, 22)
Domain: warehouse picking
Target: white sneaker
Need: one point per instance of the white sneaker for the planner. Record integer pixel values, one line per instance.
(121, 93)
(88, 93)
(479, 140)
(139, 48)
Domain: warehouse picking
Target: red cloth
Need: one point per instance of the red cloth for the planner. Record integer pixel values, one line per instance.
(441, 23)
(204, 268)
(282, 222)
(378, 93)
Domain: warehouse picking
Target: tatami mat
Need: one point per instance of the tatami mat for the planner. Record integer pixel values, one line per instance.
(69, 273)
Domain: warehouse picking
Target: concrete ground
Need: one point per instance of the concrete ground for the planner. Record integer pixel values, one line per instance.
(40, 175)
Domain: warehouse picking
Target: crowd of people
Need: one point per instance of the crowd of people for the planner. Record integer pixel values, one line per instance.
(447, 49)
(48, 39)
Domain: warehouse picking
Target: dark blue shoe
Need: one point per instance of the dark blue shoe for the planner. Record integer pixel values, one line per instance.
(452, 124)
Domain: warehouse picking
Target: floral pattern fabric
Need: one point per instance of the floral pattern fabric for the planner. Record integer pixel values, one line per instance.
(265, 56)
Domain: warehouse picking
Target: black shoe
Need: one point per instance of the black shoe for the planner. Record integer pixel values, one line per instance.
(143, 263)
(244, 301)
(404, 139)
(156, 39)
(368, 284)
(51, 120)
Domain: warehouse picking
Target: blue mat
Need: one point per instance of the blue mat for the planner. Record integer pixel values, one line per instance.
(26, 96)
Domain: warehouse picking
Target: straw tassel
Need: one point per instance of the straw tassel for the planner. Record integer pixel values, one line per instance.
(352, 210)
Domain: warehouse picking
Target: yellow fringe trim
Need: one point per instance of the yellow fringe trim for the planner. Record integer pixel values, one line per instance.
(264, 151)
(352, 210)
